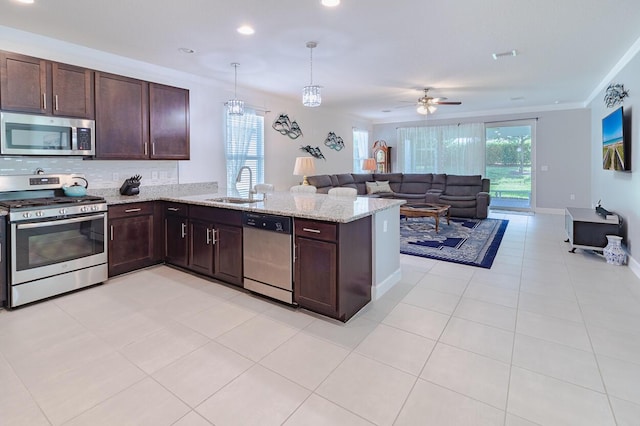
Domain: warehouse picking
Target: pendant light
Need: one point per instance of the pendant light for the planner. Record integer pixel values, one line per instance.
(235, 106)
(311, 94)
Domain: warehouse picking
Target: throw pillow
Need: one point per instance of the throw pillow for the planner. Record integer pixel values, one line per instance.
(378, 187)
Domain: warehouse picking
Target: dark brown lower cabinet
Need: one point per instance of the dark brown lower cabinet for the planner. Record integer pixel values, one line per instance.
(333, 266)
(206, 240)
(176, 234)
(134, 237)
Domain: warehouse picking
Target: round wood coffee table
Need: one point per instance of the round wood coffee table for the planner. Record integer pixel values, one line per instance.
(426, 210)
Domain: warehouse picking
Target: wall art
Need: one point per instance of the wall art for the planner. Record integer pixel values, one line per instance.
(285, 126)
(334, 141)
(314, 152)
(615, 95)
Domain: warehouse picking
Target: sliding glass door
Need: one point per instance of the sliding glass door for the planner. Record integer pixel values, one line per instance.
(509, 164)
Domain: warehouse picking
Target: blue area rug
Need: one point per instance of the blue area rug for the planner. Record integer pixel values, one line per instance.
(472, 242)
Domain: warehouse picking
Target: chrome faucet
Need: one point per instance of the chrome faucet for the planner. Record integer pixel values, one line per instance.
(239, 178)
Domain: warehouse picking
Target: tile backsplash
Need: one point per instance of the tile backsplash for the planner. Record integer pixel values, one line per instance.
(100, 174)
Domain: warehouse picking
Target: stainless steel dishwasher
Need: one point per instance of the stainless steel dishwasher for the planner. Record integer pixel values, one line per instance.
(267, 258)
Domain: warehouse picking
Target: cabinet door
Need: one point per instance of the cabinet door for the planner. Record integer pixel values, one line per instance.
(24, 84)
(122, 117)
(72, 91)
(201, 247)
(228, 253)
(131, 243)
(169, 122)
(316, 275)
(176, 241)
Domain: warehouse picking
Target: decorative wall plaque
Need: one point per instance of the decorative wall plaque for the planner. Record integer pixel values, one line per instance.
(285, 126)
(334, 142)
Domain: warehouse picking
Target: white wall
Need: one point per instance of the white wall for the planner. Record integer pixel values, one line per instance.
(207, 97)
(620, 191)
(561, 145)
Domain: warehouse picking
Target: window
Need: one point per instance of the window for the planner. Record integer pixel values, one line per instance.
(455, 149)
(360, 149)
(244, 146)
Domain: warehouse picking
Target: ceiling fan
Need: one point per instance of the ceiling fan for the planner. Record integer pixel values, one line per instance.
(427, 104)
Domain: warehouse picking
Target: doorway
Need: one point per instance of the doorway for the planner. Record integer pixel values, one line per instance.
(509, 160)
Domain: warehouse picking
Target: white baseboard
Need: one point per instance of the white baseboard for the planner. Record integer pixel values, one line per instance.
(634, 266)
(379, 290)
(549, 211)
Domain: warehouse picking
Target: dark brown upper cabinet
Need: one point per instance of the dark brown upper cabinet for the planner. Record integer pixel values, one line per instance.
(122, 117)
(37, 86)
(169, 122)
(138, 120)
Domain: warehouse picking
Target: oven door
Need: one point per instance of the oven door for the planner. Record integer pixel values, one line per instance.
(52, 247)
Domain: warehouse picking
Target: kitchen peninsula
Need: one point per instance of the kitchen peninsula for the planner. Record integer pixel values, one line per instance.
(346, 249)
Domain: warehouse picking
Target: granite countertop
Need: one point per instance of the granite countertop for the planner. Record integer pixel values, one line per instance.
(312, 206)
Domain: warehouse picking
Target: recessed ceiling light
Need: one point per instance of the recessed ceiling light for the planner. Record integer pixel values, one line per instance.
(513, 52)
(517, 98)
(186, 50)
(330, 3)
(26, 1)
(386, 110)
(246, 29)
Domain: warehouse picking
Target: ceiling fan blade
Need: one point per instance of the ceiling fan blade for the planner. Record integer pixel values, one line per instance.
(448, 103)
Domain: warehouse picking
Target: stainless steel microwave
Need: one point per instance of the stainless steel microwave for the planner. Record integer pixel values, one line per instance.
(28, 134)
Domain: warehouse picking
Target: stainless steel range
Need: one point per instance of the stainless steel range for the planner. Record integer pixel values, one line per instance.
(56, 243)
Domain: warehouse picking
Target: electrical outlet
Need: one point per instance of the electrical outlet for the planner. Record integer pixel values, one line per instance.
(154, 175)
(115, 177)
(572, 196)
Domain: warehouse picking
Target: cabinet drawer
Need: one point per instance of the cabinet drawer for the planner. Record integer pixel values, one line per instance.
(216, 215)
(325, 231)
(176, 209)
(132, 209)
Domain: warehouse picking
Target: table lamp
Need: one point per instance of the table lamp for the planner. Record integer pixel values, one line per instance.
(304, 166)
(369, 164)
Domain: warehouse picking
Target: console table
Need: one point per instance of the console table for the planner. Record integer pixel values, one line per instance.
(588, 230)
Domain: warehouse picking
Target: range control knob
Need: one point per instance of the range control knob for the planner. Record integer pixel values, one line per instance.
(84, 209)
(26, 215)
(62, 211)
(39, 213)
(94, 208)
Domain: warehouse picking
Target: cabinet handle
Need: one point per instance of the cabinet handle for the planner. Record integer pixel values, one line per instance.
(173, 209)
(145, 149)
(315, 231)
(184, 229)
(0, 252)
(208, 236)
(44, 101)
(153, 148)
(215, 238)
(132, 210)
(111, 232)
(55, 98)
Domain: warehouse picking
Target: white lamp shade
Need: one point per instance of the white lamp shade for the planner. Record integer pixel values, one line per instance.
(369, 164)
(304, 166)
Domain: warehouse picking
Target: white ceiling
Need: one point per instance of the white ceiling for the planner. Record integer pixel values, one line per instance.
(372, 55)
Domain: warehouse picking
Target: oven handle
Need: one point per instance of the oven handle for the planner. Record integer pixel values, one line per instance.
(60, 222)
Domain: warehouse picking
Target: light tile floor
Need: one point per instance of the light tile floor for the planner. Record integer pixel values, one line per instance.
(544, 337)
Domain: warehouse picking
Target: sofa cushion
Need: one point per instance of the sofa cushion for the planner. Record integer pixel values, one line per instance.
(416, 183)
(360, 179)
(378, 187)
(439, 181)
(394, 179)
(323, 183)
(461, 201)
(463, 185)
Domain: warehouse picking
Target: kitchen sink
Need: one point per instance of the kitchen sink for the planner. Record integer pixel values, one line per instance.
(232, 200)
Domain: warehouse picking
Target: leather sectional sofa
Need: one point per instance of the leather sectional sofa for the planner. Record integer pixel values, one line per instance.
(468, 196)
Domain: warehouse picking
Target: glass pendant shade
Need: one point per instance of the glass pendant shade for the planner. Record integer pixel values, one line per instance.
(235, 106)
(311, 96)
